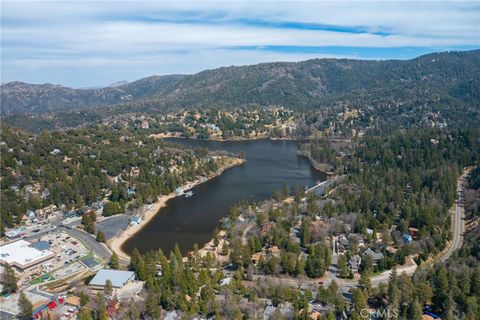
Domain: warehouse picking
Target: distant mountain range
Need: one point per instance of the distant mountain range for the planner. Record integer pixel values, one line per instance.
(451, 78)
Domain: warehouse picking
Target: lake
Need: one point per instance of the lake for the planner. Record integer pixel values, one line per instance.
(186, 221)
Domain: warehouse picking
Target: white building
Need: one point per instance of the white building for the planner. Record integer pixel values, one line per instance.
(118, 278)
(23, 256)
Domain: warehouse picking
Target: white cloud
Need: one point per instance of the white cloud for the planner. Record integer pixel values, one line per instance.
(106, 41)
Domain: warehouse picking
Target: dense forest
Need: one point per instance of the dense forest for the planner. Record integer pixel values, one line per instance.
(396, 180)
(449, 290)
(445, 84)
(75, 168)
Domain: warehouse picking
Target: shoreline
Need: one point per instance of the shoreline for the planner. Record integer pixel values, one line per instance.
(236, 139)
(116, 243)
(322, 167)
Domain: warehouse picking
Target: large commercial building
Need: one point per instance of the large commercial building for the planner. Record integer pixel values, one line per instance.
(24, 256)
(117, 277)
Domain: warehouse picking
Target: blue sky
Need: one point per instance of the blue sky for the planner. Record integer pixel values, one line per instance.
(92, 43)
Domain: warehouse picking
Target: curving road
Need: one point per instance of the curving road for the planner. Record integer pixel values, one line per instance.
(458, 219)
(345, 284)
(98, 248)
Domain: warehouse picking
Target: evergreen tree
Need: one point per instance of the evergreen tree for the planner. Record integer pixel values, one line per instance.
(415, 310)
(114, 261)
(84, 298)
(100, 236)
(305, 232)
(132, 311)
(343, 266)
(101, 311)
(152, 307)
(84, 314)
(108, 289)
(450, 309)
(9, 279)
(25, 306)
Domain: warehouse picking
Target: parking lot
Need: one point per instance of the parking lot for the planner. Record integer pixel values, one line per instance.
(66, 251)
(111, 226)
(65, 248)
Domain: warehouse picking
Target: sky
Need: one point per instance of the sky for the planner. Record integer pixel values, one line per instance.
(93, 43)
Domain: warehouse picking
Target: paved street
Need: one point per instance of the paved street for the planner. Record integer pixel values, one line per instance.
(458, 221)
(89, 240)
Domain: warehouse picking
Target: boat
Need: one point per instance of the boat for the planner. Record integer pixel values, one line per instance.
(188, 194)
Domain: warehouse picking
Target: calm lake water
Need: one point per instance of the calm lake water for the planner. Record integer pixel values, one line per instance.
(186, 221)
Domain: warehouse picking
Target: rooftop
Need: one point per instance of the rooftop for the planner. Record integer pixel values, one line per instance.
(22, 253)
(119, 278)
(41, 245)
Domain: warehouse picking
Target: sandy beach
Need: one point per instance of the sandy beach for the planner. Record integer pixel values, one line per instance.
(116, 242)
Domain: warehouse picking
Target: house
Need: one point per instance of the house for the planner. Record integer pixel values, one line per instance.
(354, 263)
(226, 281)
(376, 256)
(256, 257)
(45, 193)
(315, 315)
(55, 152)
(15, 233)
(71, 214)
(135, 171)
(275, 250)
(342, 244)
(31, 215)
(391, 250)
(73, 301)
(406, 238)
(112, 307)
(130, 191)
(118, 278)
(413, 232)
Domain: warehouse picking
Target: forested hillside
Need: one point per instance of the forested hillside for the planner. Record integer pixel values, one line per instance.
(19, 97)
(79, 167)
(440, 79)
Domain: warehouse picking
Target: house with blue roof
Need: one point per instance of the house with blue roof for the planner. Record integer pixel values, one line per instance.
(406, 238)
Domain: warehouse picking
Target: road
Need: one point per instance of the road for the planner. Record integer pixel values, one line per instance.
(96, 247)
(458, 220)
(345, 284)
(458, 230)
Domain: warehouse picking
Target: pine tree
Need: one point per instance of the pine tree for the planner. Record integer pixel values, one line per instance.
(9, 279)
(152, 307)
(415, 310)
(25, 306)
(108, 287)
(84, 314)
(305, 232)
(84, 298)
(450, 308)
(359, 299)
(365, 281)
(132, 312)
(343, 266)
(100, 236)
(114, 261)
(101, 311)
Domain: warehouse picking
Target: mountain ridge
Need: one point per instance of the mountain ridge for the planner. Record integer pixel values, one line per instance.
(450, 76)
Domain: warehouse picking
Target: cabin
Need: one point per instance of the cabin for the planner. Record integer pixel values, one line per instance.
(406, 238)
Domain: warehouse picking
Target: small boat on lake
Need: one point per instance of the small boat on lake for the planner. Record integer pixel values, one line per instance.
(188, 194)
